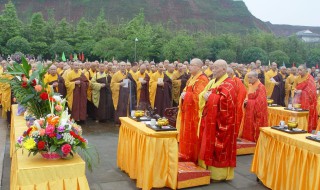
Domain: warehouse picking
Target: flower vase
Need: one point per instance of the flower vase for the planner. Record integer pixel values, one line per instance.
(50, 155)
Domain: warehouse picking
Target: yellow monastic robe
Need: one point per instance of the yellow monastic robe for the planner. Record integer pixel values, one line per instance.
(288, 87)
(115, 87)
(169, 74)
(153, 86)
(208, 72)
(139, 75)
(70, 85)
(65, 74)
(49, 78)
(5, 90)
(269, 85)
(95, 86)
(89, 75)
(1, 70)
(176, 84)
(59, 70)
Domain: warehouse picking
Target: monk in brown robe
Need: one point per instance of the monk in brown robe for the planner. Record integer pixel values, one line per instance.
(120, 93)
(160, 91)
(133, 85)
(179, 80)
(256, 109)
(61, 81)
(275, 85)
(143, 88)
(99, 84)
(77, 86)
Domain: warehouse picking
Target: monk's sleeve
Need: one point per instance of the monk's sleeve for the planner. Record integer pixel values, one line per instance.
(115, 89)
(95, 91)
(152, 89)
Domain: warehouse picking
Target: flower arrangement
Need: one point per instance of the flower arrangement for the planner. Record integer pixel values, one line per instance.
(50, 130)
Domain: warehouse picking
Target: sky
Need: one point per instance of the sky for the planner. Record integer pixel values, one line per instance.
(292, 12)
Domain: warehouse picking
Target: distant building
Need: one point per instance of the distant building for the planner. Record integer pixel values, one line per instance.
(308, 36)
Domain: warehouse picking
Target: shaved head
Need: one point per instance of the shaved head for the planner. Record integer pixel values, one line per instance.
(195, 66)
(230, 72)
(252, 77)
(219, 68)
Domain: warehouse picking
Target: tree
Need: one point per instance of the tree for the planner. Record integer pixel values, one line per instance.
(101, 27)
(254, 53)
(279, 57)
(10, 25)
(314, 57)
(179, 48)
(228, 55)
(64, 32)
(50, 28)
(18, 44)
(109, 48)
(37, 28)
(59, 47)
(39, 48)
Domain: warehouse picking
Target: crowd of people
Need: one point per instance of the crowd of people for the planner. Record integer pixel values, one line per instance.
(217, 102)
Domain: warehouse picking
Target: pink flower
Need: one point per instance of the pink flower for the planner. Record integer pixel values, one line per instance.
(42, 132)
(66, 149)
(50, 129)
(58, 107)
(24, 79)
(38, 88)
(40, 122)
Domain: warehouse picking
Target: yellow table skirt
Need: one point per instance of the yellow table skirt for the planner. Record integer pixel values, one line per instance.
(276, 114)
(149, 157)
(35, 172)
(285, 161)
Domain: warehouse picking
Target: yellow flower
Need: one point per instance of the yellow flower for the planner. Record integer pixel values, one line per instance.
(29, 144)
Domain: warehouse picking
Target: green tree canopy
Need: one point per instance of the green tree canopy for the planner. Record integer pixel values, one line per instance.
(37, 28)
(254, 53)
(59, 47)
(279, 57)
(179, 48)
(109, 48)
(314, 57)
(18, 44)
(228, 55)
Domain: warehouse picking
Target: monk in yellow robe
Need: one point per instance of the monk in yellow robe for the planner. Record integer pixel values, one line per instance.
(289, 83)
(143, 88)
(160, 91)
(6, 98)
(60, 68)
(208, 71)
(275, 85)
(89, 74)
(179, 80)
(120, 92)
(188, 115)
(77, 86)
(170, 70)
(52, 79)
(101, 95)
(132, 76)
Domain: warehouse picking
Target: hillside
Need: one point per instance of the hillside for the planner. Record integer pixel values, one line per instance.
(217, 16)
(287, 30)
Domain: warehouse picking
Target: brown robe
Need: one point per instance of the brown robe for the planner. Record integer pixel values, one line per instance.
(109, 105)
(79, 105)
(61, 86)
(102, 113)
(163, 98)
(144, 101)
(278, 93)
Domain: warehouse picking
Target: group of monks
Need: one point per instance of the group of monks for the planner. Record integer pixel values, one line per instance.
(218, 102)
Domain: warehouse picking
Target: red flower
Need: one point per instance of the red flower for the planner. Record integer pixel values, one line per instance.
(66, 149)
(23, 75)
(28, 131)
(41, 145)
(52, 135)
(44, 96)
(82, 139)
(34, 82)
(24, 84)
(74, 134)
(52, 99)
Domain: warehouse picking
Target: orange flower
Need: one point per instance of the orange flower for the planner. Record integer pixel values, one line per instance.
(53, 120)
(38, 88)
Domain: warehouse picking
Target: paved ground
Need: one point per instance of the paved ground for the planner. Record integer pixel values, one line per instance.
(107, 176)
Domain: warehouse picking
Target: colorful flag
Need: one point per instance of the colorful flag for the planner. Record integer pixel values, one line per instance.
(293, 65)
(317, 66)
(82, 57)
(63, 58)
(75, 57)
(269, 62)
(71, 57)
(283, 64)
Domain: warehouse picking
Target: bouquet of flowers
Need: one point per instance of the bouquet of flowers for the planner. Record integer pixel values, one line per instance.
(50, 132)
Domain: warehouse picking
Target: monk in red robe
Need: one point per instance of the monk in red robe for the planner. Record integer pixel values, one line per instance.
(77, 85)
(188, 116)
(256, 108)
(241, 95)
(305, 88)
(217, 132)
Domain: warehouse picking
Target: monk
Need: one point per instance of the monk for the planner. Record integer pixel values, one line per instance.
(120, 93)
(160, 91)
(89, 74)
(133, 85)
(306, 94)
(77, 86)
(256, 108)
(188, 115)
(208, 71)
(52, 78)
(241, 95)
(288, 85)
(61, 81)
(6, 96)
(143, 88)
(275, 85)
(170, 70)
(100, 99)
(217, 131)
(179, 80)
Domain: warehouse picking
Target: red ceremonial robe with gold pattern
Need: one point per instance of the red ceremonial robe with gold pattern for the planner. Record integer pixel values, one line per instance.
(256, 112)
(218, 134)
(241, 95)
(308, 100)
(189, 108)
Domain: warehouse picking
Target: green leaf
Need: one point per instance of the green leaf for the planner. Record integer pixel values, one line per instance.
(53, 148)
(25, 66)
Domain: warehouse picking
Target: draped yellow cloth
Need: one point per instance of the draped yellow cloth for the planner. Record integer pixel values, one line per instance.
(149, 157)
(49, 78)
(284, 161)
(34, 172)
(208, 72)
(96, 87)
(70, 85)
(276, 114)
(5, 98)
(269, 85)
(115, 87)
